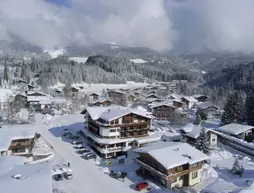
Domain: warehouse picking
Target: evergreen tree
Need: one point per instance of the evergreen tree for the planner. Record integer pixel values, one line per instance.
(200, 116)
(250, 108)
(31, 115)
(6, 78)
(237, 168)
(203, 142)
(234, 109)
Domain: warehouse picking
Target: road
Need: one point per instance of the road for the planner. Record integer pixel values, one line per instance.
(87, 176)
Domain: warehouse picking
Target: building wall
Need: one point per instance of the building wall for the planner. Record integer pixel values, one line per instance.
(195, 180)
(213, 140)
(164, 113)
(178, 183)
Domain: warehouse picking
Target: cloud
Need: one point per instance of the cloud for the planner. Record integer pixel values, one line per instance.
(180, 25)
(49, 25)
(219, 25)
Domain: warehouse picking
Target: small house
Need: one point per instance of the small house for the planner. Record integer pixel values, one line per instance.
(163, 111)
(132, 98)
(192, 136)
(189, 101)
(211, 111)
(30, 87)
(171, 164)
(237, 130)
(101, 103)
(178, 104)
(152, 96)
(116, 94)
(94, 96)
(200, 97)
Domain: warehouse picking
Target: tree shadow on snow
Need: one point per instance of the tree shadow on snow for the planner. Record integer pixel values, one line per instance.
(72, 128)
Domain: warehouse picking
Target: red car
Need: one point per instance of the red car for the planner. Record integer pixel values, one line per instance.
(142, 186)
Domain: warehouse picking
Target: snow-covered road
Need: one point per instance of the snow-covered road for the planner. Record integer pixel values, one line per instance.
(87, 177)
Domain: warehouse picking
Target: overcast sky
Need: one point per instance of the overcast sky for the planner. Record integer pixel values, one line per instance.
(220, 25)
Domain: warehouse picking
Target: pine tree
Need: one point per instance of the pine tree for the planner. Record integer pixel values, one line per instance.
(202, 143)
(31, 115)
(6, 78)
(250, 108)
(234, 109)
(237, 168)
(200, 116)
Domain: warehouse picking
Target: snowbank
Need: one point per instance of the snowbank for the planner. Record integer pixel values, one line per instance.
(55, 53)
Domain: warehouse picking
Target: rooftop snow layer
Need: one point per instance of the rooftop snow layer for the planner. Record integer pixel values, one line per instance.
(138, 61)
(79, 59)
(234, 129)
(205, 105)
(26, 178)
(148, 139)
(190, 99)
(113, 112)
(172, 154)
(14, 132)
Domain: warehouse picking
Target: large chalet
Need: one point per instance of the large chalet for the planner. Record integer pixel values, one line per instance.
(111, 130)
(171, 164)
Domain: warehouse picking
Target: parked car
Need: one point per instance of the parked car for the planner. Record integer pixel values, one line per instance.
(90, 156)
(57, 177)
(75, 142)
(142, 186)
(67, 175)
(80, 146)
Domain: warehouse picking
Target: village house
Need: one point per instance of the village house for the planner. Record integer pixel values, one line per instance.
(211, 111)
(101, 103)
(111, 130)
(30, 87)
(94, 96)
(24, 178)
(132, 98)
(171, 164)
(152, 96)
(236, 130)
(74, 91)
(178, 104)
(200, 97)
(192, 136)
(17, 140)
(6, 98)
(189, 101)
(162, 111)
(116, 94)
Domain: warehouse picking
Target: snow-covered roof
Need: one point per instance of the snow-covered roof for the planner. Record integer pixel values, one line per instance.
(234, 128)
(5, 94)
(138, 61)
(176, 96)
(173, 154)
(195, 132)
(148, 139)
(190, 99)
(25, 178)
(188, 128)
(35, 92)
(171, 136)
(167, 103)
(116, 91)
(205, 105)
(198, 95)
(113, 112)
(10, 161)
(94, 93)
(14, 132)
(36, 98)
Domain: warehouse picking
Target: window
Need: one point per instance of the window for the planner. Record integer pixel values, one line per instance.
(173, 180)
(213, 139)
(173, 170)
(180, 168)
(195, 165)
(181, 178)
(194, 174)
(112, 130)
(18, 150)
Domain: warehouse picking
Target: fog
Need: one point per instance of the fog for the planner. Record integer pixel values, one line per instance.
(180, 25)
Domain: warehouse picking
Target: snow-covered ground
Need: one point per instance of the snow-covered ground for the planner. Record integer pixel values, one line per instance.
(79, 59)
(90, 88)
(138, 61)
